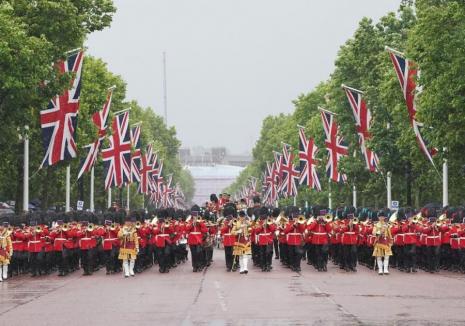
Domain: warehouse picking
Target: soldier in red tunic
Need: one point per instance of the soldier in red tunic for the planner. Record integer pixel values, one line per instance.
(264, 231)
(163, 233)
(294, 231)
(229, 239)
(350, 230)
(319, 230)
(196, 229)
(110, 246)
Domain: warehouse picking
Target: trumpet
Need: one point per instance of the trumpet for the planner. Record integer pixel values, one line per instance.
(65, 227)
(138, 224)
(38, 229)
(167, 224)
(113, 226)
(269, 221)
(354, 221)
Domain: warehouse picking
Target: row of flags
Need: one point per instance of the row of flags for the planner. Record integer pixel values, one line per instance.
(124, 162)
(281, 178)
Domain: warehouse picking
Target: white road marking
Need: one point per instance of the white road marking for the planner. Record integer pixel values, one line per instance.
(220, 296)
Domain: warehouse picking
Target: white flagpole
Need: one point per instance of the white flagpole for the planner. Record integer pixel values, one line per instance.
(388, 177)
(127, 198)
(295, 201)
(92, 177)
(26, 170)
(68, 188)
(445, 182)
(109, 198)
(330, 201)
(354, 196)
(389, 195)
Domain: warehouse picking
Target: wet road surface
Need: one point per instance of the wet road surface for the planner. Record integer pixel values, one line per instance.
(215, 297)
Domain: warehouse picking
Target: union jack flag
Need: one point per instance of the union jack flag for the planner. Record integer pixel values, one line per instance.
(59, 120)
(136, 155)
(290, 174)
(308, 162)
(362, 117)
(406, 73)
(146, 171)
(117, 157)
(167, 193)
(334, 145)
(100, 121)
(270, 180)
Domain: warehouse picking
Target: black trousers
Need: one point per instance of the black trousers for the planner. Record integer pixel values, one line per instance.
(111, 260)
(284, 254)
(228, 256)
(295, 256)
(37, 261)
(349, 253)
(266, 256)
(410, 256)
(163, 258)
(196, 255)
(321, 256)
(88, 260)
(433, 256)
(62, 259)
(276, 248)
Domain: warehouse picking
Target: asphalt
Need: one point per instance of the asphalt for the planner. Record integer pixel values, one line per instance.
(216, 297)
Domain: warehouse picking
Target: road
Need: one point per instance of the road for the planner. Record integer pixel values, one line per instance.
(215, 297)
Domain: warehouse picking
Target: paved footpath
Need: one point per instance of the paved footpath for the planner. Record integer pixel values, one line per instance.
(215, 297)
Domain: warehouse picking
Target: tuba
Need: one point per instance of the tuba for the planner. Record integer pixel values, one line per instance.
(328, 218)
(90, 227)
(393, 218)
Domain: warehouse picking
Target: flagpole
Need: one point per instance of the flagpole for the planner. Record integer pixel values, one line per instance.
(109, 198)
(26, 170)
(330, 202)
(68, 187)
(295, 201)
(445, 181)
(389, 197)
(92, 177)
(127, 198)
(388, 176)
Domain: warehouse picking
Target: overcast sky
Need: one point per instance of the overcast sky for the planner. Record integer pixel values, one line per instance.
(230, 63)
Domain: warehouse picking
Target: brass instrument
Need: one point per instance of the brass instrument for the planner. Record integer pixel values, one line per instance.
(301, 220)
(269, 221)
(138, 225)
(167, 224)
(38, 229)
(417, 218)
(113, 226)
(9, 230)
(393, 218)
(65, 227)
(311, 220)
(281, 220)
(328, 218)
(355, 221)
(90, 227)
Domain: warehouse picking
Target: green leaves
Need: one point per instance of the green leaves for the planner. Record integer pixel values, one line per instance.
(433, 35)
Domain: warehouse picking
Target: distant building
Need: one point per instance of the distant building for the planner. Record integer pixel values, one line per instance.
(212, 180)
(200, 156)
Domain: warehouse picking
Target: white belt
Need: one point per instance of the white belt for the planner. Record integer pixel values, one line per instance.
(86, 238)
(163, 235)
(266, 233)
(110, 239)
(17, 241)
(39, 241)
(319, 233)
(196, 233)
(432, 236)
(410, 233)
(294, 234)
(349, 232)
(228, 234)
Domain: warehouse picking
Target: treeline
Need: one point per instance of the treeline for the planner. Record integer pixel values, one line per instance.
(34, 35)
(432, 34)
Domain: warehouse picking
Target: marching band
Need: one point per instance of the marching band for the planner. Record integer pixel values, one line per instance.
(431, 239)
